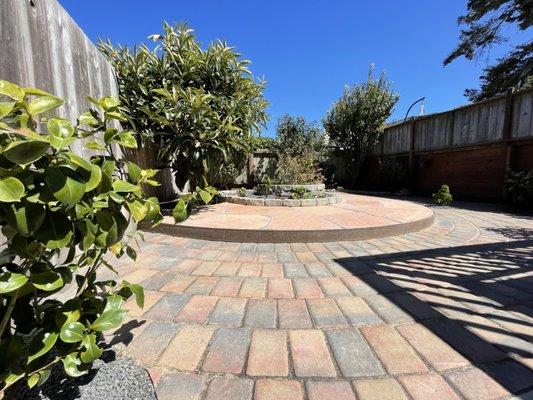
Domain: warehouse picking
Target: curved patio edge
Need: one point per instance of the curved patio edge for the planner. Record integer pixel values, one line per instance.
(291, 236)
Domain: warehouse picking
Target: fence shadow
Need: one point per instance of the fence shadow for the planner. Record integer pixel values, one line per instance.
(476, 298)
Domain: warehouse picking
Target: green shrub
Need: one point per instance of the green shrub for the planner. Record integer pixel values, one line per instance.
(519, 186)
(297, 170)
(442, 197)
(394, 176)
(197, 104)
(265, 188)
(300, 192)
(241, 192)
(356, 121)
(62, 217)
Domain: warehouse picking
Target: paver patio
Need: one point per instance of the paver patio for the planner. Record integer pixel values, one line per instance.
(444, 313)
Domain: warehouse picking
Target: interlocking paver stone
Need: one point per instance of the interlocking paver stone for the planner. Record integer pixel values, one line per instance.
(329, 390)
(310, 354)
(269, 389)
(474, 384)
(253, 288)
(395, 354)
(294, 270)
(427, 387)
(227, 287)
(186, 349)
(325, 313)
(197, 309)
(167, 307)
(388, 310)
(280, 289)
(227, 352)
(228, 311)
(224, 388)
(189, 386)
(357, 311)
(353, 355)
(435, 351)
(261, 313)
(268, 354)
(333, 287)
(151, 341)
(379, 389)
(307, 288)
(293, 314)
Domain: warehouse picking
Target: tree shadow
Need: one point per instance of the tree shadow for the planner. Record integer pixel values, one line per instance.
(476, 298)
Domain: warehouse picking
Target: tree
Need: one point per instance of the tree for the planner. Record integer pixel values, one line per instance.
(484, 22)
(197, 105)
(356, 121)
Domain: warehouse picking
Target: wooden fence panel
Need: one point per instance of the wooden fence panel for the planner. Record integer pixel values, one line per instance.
(397, 139)
(522, 120)
(434, 132)
(41, 46)
(479, 123)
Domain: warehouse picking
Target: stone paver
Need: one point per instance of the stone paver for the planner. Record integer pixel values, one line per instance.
(310, 354)
(268, 354)
(329, 390)
(442, 313)
(379, 389)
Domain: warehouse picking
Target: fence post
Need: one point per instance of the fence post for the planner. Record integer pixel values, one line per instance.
(412, 146)
(506, 136)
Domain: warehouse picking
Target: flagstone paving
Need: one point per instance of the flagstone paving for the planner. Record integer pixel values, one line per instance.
(443, 313)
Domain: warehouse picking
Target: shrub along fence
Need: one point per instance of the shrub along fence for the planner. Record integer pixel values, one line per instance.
(469, 148)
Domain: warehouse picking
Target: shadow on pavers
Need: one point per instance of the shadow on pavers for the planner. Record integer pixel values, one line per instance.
(457, 291)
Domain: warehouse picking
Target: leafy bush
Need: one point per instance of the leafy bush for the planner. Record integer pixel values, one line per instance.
(393, 175)
(241, 192)
(442, 197)
(196, 104)
(299, 170)
(296, 137)
(265, 188)
(356, 121)
(62, 216)
(519, 186)
(300, 193)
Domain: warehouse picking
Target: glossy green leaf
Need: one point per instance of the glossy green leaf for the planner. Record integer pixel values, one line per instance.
(36, 92)
(61, 132)
(180, 211)
(206, 196)
(125, 139)
(9, 282)
(124, 186)
(71, 364)
(64, 186)
(42, 344)
(137, 291)
(26, 218)
(95, 179)
(137, 209)
(5, 108)
(72, 333)
(134, 171)
(108, 320)
(11, 189)
(56, 231)
(47, 281)
(11, 90)
(153, 208)
(87, 119)
(24, 152)
(92, 351)
(94, 145)
(43, 104)
(38, 378)
(114, 302)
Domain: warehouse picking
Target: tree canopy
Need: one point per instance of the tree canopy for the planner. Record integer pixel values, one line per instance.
(483, 24)
(355, 121)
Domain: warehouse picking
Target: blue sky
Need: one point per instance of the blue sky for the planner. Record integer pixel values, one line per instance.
(309, 49)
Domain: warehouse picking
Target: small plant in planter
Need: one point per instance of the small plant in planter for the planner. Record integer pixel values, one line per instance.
(62, 217)
(301, 193)
(442, 197)
(241, 192)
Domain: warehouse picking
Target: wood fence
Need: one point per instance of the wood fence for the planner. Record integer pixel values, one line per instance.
(41, 46)
(470, 148)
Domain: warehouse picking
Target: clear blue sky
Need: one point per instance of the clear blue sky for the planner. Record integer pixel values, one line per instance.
(309, 49)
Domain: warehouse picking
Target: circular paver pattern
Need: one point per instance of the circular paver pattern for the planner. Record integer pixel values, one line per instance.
(443, 313)
(353, 217)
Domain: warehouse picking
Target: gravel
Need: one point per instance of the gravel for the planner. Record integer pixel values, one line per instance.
(111, 378)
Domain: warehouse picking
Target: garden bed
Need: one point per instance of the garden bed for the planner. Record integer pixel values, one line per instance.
(282, 196)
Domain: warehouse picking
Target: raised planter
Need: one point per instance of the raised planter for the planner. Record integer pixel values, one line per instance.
(322, 198)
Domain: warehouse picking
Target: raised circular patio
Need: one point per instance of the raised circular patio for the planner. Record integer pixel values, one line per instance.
(353, 217)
